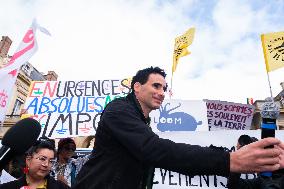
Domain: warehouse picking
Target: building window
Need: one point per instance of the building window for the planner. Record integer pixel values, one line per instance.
(17, 107)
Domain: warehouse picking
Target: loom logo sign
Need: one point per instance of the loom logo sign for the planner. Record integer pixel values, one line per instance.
(175, 121)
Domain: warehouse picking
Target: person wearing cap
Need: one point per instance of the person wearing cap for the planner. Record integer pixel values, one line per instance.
(66, 168)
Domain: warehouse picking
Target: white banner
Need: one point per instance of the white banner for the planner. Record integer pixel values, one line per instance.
(8, 73)
(165, 179)
(6, 87)
(71, 108)
(180, 115)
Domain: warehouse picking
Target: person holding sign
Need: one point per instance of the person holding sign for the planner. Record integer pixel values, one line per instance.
(127, 150)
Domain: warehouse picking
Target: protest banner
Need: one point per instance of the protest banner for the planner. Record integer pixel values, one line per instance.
(180, 115)
(165, 179)
(8, 73)
(229, 115)
(71, 108)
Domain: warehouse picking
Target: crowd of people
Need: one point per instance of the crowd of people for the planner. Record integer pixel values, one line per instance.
(127, 150)
(43, 166)
(38, 163)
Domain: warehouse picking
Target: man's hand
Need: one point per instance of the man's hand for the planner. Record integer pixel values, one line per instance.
(255, 157)
(281, 148)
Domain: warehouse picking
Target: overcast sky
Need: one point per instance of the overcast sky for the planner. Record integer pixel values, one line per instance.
(112, 39)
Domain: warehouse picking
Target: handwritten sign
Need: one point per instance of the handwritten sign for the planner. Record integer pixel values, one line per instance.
(72, 108)
(228, 115)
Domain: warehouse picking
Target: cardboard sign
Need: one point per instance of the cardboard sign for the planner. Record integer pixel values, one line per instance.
(228, 115)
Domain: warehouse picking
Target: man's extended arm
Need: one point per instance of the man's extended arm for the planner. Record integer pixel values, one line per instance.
(126, 126)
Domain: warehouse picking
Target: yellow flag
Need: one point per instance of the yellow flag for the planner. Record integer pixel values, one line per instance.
(181, 44)
(273, 49)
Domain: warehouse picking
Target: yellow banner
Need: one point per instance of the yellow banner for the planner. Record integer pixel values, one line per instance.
(273, 49)
(181, 44)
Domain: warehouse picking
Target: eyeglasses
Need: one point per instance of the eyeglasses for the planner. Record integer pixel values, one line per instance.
(44, 159)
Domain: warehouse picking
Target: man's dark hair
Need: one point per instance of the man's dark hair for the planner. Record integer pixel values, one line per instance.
(244, 140)
(42, 143)
(142, 76)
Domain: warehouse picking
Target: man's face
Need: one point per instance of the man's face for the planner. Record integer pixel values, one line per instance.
(151, 94)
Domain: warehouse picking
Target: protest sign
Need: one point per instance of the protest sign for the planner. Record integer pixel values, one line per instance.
(165, 179)
(71, 108)
(180, 115)
(229, 115)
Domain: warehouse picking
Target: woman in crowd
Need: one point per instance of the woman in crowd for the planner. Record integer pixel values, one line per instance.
(66, 168)
(39, 160)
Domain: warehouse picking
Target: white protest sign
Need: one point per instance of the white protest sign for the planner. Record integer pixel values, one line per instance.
(71, 108)
(165, 179)
(180, 115)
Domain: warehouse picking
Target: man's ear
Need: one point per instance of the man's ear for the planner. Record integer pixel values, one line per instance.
(137, 87)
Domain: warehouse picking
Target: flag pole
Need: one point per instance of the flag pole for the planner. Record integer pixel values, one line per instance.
(171, 89)
(172, 82)
(266, 62)
(269, 84)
